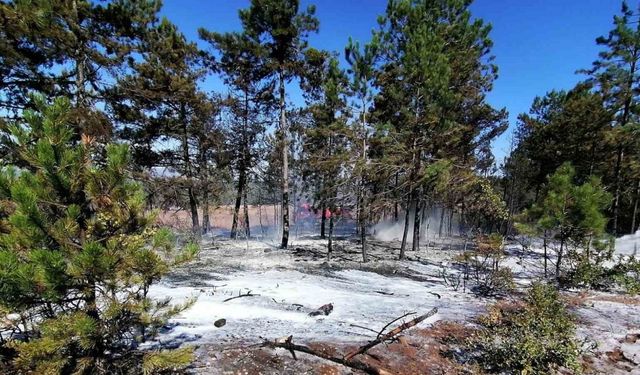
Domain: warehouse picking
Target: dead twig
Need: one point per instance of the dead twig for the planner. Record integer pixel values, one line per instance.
(362, 327)
(391, 334)
(393, 321)
(384, 293)
(247, 294)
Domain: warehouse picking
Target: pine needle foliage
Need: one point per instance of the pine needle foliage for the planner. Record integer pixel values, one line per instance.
(532, 336)
(79, 250)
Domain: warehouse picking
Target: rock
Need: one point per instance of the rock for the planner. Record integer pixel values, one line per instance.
(220, 322)
(631, 352)
(632, 338)
(323, 310)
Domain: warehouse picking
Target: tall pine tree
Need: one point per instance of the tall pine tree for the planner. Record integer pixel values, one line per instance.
(282, 28)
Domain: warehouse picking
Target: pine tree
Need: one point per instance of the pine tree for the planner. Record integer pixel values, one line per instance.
(160, 101)
(362, 63)
(79, 251)
(242, 61)
(326, 145)
(616, 74)
(571, 213)
(565, 126)
(69, 47)
(283, 29)
(435, 74)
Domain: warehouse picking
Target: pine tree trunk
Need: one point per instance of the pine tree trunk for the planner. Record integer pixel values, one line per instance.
(193, 206)
(363, 201)
(635, 208)
(544, 246)
(206, 222)
(246, 212)
(236, 207)
(285, 165)
(616, 197)
(560, 253)
(441, 222)
(405, 231)
(193, 203)
(362, 222)
(395, 204)
(323, 220)
(363, 239)
(415, 245)
(330, 243)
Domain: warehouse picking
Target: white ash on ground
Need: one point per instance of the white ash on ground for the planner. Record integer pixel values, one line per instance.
(276, 290)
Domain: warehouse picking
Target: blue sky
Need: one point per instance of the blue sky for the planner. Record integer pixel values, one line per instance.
(538, 44)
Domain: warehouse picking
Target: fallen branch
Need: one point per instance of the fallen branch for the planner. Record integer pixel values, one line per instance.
(362, 327)
(349, 360)
(248, 294)
(384, 293)
(436, 294)
(393, 321)
(391, 334)
(352, 363)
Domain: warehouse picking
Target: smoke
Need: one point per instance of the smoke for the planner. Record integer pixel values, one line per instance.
(435, 222)
(629, 244)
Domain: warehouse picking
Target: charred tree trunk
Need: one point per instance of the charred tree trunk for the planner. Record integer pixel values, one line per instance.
(405, 233)
(441, 222)
(206, 222)
(363, 187)
(559, 260)
(363, 228)
(395, 204)
(285, 164)
(616, 197)
(415, 245)
(186, 159)
(330, 242)
(247, 229)
(410, 200)
(635, 208)
(236, 207)
(546, 257)
(323, 220)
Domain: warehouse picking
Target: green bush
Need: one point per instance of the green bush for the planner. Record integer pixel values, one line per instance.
(531, 336)
(626, 274)
(482, 266)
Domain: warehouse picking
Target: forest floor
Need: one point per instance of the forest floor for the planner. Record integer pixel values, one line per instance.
(280, 288)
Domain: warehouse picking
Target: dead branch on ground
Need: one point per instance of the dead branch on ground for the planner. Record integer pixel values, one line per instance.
(352, 363)
(393, 321)
(391, 334)
(349, 360)
(247, 294)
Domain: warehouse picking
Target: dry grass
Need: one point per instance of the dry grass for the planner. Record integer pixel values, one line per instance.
(220, 217)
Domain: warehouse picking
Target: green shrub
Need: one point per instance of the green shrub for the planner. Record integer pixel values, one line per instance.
(626, 274)
(78, 251)
(532, 336)
(482, 266)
